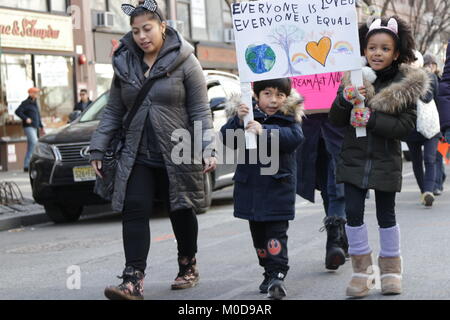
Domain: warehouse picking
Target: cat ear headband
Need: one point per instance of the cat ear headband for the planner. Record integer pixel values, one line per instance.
(392, 26)
(149, 5)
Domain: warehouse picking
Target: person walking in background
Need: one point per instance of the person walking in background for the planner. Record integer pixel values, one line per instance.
(268, 201)
(29, 112)
(316, 161)
(84, 101)
(372, 159)
(426, 180)
(430, 64)
(444, 97)
(153, 53)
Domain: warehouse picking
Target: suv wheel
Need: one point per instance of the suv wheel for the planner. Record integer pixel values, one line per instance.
(208, 193)
(62, 214)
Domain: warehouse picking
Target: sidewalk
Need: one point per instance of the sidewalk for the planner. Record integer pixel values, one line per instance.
(29, 213)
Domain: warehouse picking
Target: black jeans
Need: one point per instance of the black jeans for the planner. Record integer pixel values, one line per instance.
(355, 201)
(270, 241)
(143, 184)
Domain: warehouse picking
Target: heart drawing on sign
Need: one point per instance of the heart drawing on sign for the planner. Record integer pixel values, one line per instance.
(319, 50)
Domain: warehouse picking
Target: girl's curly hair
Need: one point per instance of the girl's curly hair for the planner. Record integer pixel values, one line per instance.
(405, 43)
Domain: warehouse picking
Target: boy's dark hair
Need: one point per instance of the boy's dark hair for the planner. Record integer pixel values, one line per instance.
(140, 11)
(404, 43)
(283, 84)
(83, 90)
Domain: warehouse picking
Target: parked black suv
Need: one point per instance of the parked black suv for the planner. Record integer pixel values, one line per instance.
(62, 178)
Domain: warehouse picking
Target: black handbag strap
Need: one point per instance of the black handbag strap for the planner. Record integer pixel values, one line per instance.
(138, 102)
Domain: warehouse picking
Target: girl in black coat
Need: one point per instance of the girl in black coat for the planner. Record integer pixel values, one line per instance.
(391, 90)
(268, 201)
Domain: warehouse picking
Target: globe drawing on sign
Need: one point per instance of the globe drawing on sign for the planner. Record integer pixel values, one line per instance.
(260, 58)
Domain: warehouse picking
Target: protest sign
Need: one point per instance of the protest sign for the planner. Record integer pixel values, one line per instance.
(286, 38)
(319, 90)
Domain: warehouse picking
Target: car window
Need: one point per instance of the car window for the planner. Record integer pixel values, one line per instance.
(95, 110)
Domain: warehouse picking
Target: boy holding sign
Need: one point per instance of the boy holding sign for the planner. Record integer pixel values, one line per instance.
(268, 201)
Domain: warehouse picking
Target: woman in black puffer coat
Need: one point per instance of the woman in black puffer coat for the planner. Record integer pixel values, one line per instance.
(152, 51)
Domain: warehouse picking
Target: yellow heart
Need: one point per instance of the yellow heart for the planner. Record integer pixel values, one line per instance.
(319, 51)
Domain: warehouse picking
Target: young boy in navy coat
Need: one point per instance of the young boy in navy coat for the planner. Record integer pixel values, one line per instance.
(268, 201)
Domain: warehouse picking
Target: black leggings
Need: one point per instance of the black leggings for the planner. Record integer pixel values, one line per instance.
(144, 182)
(354, 206)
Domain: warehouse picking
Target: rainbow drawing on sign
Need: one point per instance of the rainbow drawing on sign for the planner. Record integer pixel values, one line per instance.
(299, 57)
(343, 47)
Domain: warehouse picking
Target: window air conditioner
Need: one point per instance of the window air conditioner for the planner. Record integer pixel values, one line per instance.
(104, 19)
(228, 35)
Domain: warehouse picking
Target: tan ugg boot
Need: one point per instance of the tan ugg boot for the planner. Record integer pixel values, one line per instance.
(391, 275)
(359, 285)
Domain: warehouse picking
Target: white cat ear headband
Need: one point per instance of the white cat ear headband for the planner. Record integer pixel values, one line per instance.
(392, 26)
(149, 5)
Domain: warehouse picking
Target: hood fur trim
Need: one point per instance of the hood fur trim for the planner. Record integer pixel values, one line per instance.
(293, 106)
(399, 95)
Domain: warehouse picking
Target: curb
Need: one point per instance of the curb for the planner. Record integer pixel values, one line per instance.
(19, 220)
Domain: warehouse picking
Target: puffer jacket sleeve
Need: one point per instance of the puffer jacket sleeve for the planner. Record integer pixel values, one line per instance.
(110, 122)
(197, 102)
(290, 137)
(232, 124)
(340, 110)
(444, 94)
(393, 126)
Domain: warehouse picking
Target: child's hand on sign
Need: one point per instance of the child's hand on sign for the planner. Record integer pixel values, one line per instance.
(355, 96)
(255, 127)
(243, 111)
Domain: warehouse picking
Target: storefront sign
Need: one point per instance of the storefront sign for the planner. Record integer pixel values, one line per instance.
(12, 156)
(35, 31)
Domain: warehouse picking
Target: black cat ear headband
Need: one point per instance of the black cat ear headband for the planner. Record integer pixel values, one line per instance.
(149, 5)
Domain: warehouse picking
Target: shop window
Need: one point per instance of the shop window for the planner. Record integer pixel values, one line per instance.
(16, 78)
(54, 76)
(38, 5)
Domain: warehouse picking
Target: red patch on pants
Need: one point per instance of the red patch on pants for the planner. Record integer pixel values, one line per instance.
(262, 253)
(274, 247)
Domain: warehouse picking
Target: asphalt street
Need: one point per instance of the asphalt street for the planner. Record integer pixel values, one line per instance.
(42, 262)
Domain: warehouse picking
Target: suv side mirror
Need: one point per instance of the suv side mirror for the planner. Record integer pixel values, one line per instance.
(74, 116)
(217, 103)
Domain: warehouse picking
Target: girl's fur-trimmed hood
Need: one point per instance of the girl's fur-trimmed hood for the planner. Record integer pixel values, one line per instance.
(293, 106)
(400, 94)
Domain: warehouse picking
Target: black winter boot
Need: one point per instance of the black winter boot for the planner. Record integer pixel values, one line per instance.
(132, 287)
(277, 289)
(335, 252)
(264, 286)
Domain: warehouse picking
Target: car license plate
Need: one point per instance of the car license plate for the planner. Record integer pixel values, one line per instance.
(81, 174)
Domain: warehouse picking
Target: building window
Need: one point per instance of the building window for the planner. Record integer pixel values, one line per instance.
(54, 76)
(184, 15)
(38, 5)
(99, 5)
(58, 5)
(16, 78)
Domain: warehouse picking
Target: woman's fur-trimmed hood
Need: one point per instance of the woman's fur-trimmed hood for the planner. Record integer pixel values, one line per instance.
(399, 95)
(293, 106)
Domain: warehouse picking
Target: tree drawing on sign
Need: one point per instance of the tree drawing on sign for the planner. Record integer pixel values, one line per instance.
(285, 37)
